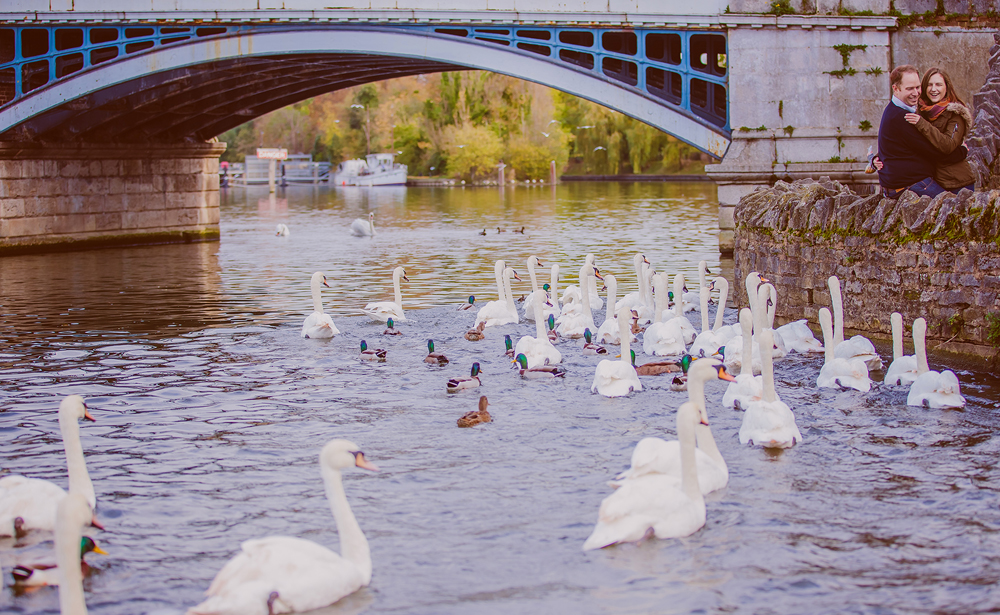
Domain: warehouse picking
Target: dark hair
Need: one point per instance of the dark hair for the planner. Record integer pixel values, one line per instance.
(896, 76)
(950, 97)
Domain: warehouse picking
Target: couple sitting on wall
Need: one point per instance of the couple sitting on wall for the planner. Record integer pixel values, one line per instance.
(920, 139)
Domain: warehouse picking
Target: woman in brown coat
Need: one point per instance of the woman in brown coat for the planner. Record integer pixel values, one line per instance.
(944, 120)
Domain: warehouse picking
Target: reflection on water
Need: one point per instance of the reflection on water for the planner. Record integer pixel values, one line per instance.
(211, 411)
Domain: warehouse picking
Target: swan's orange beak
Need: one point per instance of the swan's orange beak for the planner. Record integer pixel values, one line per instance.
(87, 415)
(597, 274)
(517, 277)
(96, 523)
(361, 462)
(324, 282)
(406, 278)
(764, 280)
(724, 375)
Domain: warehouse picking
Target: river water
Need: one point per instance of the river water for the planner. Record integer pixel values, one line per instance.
(211, 410)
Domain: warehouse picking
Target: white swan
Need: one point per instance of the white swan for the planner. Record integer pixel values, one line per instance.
(636, 299)
(609, 331)
(677, 312)
(654, 455)
(799, 337)
(282, 231)
(932, 389)
(552, 308)
(318, 325)
(664, 338)
(709, 340)
(72, 514)
(364, 228)
(747, 388)
(30, 503)
(858, 347)
(573, 322)
(532, 262)
(573, 294)
(770, 305)
(903, 369)
(502, 311)
(382, 311)
(769, 422)
(618, 378)
(282, 574)
(836, 371)
(691, 300)
(653, 502)
(538, 350)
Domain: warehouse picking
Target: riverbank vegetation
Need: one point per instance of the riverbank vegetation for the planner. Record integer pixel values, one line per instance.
(463, 125)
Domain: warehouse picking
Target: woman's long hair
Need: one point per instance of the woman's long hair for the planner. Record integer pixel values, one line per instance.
(950, 97)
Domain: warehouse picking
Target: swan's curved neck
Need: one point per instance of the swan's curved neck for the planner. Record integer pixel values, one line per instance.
(660, 296)
(353, 544)
(531, 273)
(585, 272)
(827, 326)
(679, 294)
(554, 285)
(720, 312)
(592, 280)
(395, 287)
(539, 317)
(746, 353)
(838, 310)
(510, 297)
(772, 307)
(752, 282)
(646, 289)
(760, 311)
(897, 335)
(686, 419)
(920, 345)
(498, 274)
(703, 305)
(612, 285)
(625, 333)
(766, 342)
(79, 479)
(71, 597)
(317, 297)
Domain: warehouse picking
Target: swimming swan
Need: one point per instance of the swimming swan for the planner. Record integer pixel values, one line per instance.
(746, 388)
(932, 389)
(654, 501)
(537, 350)
(73, 513)
(364, 228)
(318, 325)
(30, 503)
(769, 422)
(283, 574)
(858, 347)
(382, 311)
(502, 311)
(665, 339)
(609, 332)
(836, 371)
(617, 378)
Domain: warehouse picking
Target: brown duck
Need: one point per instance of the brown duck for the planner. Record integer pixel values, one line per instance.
(476, 417)
(476, 335)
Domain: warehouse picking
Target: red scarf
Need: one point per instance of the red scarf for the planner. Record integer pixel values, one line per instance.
(931, 112)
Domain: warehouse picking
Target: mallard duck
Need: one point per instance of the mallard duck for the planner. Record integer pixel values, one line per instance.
(636, 327)
(436, 358)
(482, 415)
(476, 334)
(542, 371)
(458, 384)
(370, 354)
(483, 233)
(509, 345)
(589, 348)
(469, 305)
(656, 368)
(47, 573)
(500, 230)
(551, 322)
(519, 231)
(390, 330)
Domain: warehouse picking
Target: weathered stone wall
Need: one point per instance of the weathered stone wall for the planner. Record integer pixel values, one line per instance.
(92, 196)
(938, 259)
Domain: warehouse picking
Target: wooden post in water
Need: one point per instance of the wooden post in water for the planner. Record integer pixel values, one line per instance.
(272, 167)
(552, 172)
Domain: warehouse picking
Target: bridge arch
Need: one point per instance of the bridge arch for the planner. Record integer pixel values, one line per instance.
(199, 89)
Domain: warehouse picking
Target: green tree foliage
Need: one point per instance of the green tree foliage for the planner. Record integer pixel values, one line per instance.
(424, 119)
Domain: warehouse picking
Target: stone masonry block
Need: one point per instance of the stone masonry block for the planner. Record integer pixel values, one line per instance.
(26, 227)
(11, 208)
(138, 220)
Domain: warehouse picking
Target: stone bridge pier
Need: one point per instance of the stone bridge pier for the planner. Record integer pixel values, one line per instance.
(78, 196)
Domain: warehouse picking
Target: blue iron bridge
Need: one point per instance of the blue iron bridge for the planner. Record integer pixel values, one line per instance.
(177, 82)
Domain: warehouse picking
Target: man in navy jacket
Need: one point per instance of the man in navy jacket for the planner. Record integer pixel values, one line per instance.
(908, 158)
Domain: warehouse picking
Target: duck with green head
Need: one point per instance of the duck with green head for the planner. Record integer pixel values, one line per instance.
(460, 384)
(551, 322)
(590, 348)
(47, 573)
(542, 371)
(391, 330)
(469, 305)
(657, 368)
(508, 346)
(435, 358)
(369, 354)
